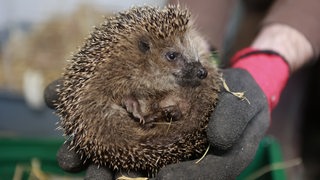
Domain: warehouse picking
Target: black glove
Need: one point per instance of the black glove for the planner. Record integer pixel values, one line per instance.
(234, 131)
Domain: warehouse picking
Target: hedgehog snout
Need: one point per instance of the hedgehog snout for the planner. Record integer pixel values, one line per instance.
(202, 73)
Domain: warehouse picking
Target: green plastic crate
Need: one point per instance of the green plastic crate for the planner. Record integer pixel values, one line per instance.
(19, 155)
(269, 152)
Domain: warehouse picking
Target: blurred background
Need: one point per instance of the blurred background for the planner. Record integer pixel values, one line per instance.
(37, 37)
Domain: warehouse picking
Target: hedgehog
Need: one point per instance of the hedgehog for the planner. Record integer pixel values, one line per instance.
(138, 94)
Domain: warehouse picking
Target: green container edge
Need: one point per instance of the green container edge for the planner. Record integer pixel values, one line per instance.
(268, 153)
(21, 151)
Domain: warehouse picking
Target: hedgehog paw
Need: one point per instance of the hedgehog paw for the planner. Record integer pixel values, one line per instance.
(155, 117)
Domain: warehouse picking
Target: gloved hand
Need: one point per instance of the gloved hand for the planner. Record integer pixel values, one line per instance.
(269, 72)
(238, 124)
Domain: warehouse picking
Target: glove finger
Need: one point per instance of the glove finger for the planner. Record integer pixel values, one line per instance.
(69, 160)
(232, 114)
(243, 152)
(51, 93)
(95, 172)
(228, 121)
(225, 167)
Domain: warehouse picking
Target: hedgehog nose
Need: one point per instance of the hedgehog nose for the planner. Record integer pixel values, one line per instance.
(202, 73)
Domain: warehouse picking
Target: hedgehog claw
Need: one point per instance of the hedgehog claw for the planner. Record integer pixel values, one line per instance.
(172, 113)
(142, 121)
(154, 117)
(132, 106)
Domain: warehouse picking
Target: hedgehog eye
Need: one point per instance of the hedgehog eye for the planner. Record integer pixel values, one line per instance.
(171, 56)
(143, 45)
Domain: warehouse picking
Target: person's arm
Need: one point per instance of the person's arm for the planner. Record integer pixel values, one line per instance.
(301, 16)
(288, 42)
(290, 30)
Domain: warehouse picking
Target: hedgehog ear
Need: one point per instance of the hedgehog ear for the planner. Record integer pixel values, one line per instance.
(143, 44)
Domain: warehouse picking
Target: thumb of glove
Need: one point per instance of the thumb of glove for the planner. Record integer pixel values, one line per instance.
(51, 93)
(232, 114)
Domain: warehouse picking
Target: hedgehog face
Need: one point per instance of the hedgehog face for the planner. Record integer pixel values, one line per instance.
(187, 71)
(178, 56)
(161, 42)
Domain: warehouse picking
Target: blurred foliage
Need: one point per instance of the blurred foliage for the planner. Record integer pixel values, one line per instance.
(46, 47)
